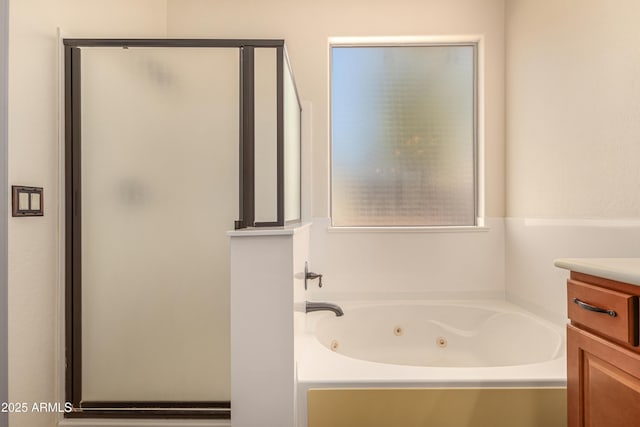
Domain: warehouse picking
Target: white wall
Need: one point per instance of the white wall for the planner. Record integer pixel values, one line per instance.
(34, 288)
(266, 278)
(408, 264)
(573, 181)
(532, 245)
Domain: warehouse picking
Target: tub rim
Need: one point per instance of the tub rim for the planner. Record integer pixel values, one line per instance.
(317, 365)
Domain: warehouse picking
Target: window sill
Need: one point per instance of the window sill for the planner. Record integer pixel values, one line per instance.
(400, 229)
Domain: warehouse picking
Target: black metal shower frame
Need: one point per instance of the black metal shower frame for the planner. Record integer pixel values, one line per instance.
(73, 194)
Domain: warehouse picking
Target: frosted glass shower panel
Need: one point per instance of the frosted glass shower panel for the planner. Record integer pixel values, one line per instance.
(159, 176)
(266, 134)
(403, 135)
(291, 147)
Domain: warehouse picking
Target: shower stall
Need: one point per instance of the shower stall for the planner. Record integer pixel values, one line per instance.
(169, 143)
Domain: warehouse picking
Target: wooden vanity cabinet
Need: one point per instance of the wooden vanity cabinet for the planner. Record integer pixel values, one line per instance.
(603, 355)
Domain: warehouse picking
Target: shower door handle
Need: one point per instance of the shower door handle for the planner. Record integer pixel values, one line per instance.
(593, 308)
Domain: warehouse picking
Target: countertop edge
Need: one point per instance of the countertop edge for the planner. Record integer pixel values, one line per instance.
(626, 270)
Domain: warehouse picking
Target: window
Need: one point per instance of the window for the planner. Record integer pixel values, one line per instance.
(404, 135)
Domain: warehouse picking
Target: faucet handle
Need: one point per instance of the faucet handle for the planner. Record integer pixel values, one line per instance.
(309, 275)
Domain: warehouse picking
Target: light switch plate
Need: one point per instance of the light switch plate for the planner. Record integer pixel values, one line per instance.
(27, 201)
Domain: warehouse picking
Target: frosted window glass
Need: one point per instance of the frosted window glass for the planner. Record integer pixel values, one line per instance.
(159, 191)
(403, 136)
(291, 148)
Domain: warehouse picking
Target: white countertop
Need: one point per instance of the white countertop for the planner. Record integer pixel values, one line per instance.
(625, 270)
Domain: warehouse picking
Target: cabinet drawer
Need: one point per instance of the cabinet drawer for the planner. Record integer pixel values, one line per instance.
(620, 319)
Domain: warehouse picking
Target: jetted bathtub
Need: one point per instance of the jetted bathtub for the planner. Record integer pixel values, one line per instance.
(427, 345)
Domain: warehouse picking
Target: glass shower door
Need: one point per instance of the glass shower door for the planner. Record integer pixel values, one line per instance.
(159, 177)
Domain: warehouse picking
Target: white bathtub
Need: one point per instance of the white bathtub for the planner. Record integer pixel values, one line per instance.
(469, 344)
(443, 335)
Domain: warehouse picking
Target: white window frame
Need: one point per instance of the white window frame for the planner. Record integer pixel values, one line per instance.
(480, 126)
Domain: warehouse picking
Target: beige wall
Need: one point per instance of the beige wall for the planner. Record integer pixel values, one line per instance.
(573, 103)
(307, 25)
(33, 160)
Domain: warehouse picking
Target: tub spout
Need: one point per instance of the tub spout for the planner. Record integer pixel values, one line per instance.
(320, 306)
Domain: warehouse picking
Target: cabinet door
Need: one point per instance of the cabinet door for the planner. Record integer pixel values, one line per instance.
(603, 382)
